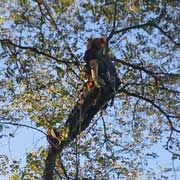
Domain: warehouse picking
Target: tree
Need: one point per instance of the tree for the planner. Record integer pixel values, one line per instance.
(42, 46)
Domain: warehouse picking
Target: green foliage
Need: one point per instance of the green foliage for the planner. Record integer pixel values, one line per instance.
(41, 72)
(4, 165)
(34, 161)
(14, 177)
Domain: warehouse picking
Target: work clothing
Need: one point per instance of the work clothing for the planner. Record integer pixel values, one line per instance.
(106, 69)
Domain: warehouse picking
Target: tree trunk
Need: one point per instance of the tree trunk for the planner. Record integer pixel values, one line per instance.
(76, 123)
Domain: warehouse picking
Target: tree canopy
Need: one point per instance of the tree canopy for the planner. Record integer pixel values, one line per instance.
(42, 43)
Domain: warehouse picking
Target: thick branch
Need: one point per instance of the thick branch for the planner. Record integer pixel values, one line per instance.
(75, 124)
(50, 163)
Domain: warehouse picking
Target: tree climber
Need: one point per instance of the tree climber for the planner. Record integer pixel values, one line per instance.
(99, 69)
(100, 72)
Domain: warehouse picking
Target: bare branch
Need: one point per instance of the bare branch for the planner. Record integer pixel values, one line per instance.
(33, 49)
(143, 25)
(155, 105)
(138, 26)
(52, 21)
(167, 145)
(138, 67)
(167, 35)
(63, 168)
(23, 125)
(123, 30)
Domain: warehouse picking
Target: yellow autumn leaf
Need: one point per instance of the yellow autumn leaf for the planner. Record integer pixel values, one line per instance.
(2, 20)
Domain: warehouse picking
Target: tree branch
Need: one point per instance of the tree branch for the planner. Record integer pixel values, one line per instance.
(73, 124)
(168, 145)
(105, 133)
(33, 49)
(155, 105)
(124, 30)
(63, 168)
(115, 14)
(138, 67)
(143, 25)
(52, 21)
(166, 34)
(23, 125)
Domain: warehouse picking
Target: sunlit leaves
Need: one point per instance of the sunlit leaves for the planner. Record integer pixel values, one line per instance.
(45, 108)
(14, 177)
(4, 165)
(63, 5)
(40, 80)
(34, 166)
(23, 3)
(1, 20)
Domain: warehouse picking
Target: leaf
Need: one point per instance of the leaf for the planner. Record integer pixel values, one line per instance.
(60, 71)
(15, 177)
(2, 20)
(1, 127)
(23, 3)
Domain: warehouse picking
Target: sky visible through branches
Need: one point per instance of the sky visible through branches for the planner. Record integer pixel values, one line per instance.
(42, 43)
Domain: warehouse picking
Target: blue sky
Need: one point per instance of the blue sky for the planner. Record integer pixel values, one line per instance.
(27, 140)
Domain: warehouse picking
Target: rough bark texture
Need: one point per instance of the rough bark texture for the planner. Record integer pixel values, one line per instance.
(76, 126)
(50, 163)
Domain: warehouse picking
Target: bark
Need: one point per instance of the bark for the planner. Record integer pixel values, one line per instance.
(76, 126)
(50, 163)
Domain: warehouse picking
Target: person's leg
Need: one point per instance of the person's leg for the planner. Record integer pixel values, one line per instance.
(94, 73)
(94, 69)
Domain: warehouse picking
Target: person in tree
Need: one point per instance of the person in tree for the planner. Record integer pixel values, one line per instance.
(99, 68)
(100, 71)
